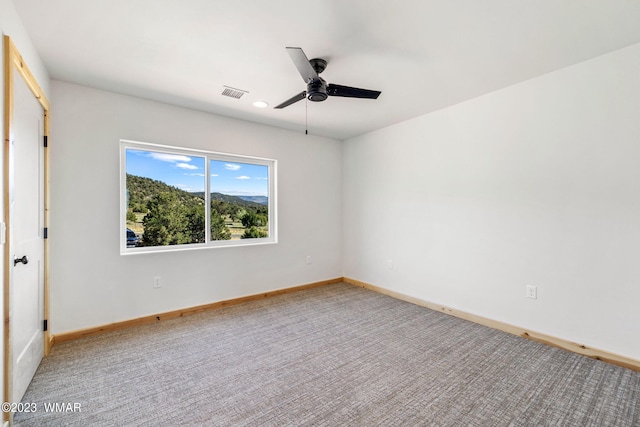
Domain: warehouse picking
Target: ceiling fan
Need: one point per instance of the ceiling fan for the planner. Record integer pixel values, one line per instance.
(317, 88)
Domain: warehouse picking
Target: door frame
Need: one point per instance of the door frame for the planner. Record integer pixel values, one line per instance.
(13, 62)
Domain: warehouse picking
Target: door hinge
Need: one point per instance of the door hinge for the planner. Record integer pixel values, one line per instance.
(46, 232)
(46, 141)
(45, 325)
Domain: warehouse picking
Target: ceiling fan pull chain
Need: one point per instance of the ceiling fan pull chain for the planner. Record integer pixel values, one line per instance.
(306, 117)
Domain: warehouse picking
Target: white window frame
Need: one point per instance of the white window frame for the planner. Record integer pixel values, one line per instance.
(208, 156)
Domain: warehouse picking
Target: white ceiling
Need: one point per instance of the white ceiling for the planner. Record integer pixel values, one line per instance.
(423, 55)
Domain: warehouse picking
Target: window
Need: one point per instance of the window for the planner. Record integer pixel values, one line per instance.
(174, 198)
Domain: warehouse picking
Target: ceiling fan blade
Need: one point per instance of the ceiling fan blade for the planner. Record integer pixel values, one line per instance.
(351, 92)
(292, 100)
(301, 62)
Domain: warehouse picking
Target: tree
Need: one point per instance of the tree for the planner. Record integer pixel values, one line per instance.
(167, 222)
(131, 216)
(219, 230)
(254, 233)
(238, 213)
(195, 224)
(250, 219)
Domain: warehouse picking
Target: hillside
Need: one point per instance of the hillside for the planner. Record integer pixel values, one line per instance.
(263, 200)
(235, 200)
(160, 215)
(142, 189)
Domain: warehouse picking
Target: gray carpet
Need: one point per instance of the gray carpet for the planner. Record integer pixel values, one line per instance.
(331, 356)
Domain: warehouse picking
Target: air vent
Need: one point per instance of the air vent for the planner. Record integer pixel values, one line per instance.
(233, 93)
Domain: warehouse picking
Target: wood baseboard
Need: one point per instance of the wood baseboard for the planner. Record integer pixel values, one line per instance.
(584, 350)
(68, 336)
(49, 340)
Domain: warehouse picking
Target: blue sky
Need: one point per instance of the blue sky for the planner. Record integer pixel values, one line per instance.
(188, 173)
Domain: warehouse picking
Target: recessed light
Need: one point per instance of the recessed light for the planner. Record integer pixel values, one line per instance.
(261, 104)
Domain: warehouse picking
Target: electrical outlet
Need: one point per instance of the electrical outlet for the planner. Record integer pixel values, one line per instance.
(156, 282)
(532, 292)
(308, 259)
(389, 264)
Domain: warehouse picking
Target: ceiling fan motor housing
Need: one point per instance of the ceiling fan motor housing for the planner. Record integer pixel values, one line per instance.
(317, 90)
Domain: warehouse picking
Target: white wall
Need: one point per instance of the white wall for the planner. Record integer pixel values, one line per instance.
(11, 25)
(536, 184)
(92, 284)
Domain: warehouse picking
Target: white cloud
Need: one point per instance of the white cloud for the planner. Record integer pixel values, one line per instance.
(242, 177)
(193, 174)
(232, 166)
(214, 174)
(186, 166)
(172, 158)
(261, 178)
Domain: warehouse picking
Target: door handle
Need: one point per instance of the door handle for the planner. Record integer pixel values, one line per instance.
(23, 260)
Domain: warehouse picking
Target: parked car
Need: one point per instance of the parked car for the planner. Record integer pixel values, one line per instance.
(132, 239)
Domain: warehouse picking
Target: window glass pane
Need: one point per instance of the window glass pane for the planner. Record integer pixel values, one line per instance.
(169, 204)
(165, 198)
(239, 200)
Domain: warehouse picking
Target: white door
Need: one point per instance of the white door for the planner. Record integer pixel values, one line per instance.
(26, 196)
